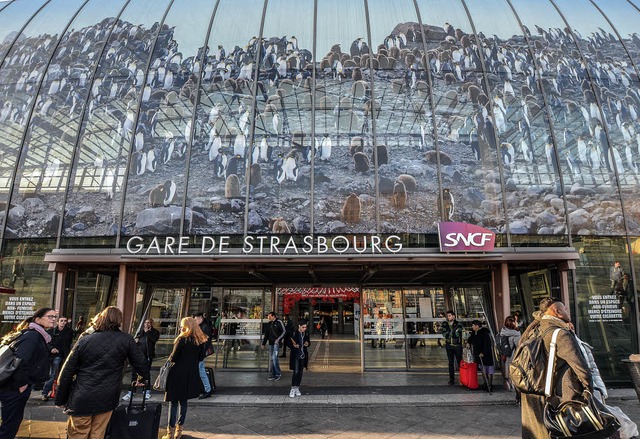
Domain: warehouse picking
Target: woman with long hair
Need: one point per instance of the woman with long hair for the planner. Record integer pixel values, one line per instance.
(95, 367)
(183, 382)
(32, 349)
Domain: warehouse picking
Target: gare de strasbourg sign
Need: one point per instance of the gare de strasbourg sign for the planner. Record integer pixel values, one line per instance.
(453, 237)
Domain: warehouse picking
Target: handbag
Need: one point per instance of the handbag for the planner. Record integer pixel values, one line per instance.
(9, 362)
(161, 380)
(467, 355)
(586, 419)
(208, 349)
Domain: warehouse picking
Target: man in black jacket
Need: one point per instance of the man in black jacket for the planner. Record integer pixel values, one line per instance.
(59, 348)
(274, 334)
(480, 340)
(452, 333)
(146, 340)
(206, 329)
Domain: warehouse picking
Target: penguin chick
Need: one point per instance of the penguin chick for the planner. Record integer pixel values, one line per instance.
(280, 226)
(409, 182)
(232, 187)
(255, 175)
(383, 155)
(351, 209)
(361, 162)
(356, 145)
(399, 195)
(448, 203)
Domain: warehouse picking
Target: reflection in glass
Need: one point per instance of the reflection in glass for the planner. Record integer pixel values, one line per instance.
(384, 336)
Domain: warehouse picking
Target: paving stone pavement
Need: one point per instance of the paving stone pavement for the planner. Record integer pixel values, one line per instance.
(258, 413)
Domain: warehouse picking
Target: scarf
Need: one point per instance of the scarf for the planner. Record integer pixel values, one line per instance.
(40, 329)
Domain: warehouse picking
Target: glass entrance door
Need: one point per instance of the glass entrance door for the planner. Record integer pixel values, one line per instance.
(424, 310)
(384, 341)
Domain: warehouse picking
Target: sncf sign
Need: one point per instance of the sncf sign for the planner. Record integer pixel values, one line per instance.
(463, 237)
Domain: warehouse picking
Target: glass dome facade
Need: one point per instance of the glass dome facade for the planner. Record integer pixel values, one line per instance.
(205, 117)
(217, 117)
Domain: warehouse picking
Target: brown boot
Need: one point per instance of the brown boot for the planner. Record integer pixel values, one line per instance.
(171, 433)
(178, 432)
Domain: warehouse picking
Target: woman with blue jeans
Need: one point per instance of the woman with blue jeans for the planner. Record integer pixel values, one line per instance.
(184, 381)
(299, 356)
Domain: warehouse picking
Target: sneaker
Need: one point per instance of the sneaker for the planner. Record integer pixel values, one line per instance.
(148, 394)
(298, 391)
(292, 393)
(277, 378)
(271, 378)
(127, 396)
(44, 398)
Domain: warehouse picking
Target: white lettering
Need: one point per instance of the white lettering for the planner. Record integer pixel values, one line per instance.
(290, 244)
(364, 244)
(469, 240)
(248, 246)
(308, 244)
(397, 246)
(168, 245)
(322, 245)
(262, 239)
(154, 245)
(375, 244)
(208, 241)
(184, 242)
(138, 247)
(336, 248)
(224, 242)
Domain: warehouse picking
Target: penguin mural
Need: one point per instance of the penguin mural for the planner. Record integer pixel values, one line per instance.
(151, 160)
(280, 226)
(357, 145)
(361, 162)
(351, 209)
(232, 166)
(239, 145)
(325, 148)
(255, 175)
(289, 169)
(220, 163)
(265, 150)
(508, 154)
(214, 150)
(409, 182)
(399, 195)
(232, 187)
(447, 207)
(383, 155)
(163, 194)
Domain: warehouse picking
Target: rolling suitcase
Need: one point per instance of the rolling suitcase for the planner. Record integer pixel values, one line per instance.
(469, 375)
(212, 380)
(135, 421)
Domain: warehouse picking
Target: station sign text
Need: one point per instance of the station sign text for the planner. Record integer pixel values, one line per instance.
(463, 237)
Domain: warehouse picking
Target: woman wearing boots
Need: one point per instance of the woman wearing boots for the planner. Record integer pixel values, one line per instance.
(184, 381)
(299, 356)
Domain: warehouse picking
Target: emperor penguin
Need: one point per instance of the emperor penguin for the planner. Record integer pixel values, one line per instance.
(232, 166)
(325, 147)
(239, 144)
(351, 209)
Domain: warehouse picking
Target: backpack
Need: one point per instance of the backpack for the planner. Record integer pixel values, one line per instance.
(503, 345)
(528, 368)
(9, 362)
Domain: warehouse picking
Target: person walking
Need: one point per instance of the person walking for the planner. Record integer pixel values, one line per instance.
(34, 369)
(60, 346)
(451, 331)
(572, 374)
(205, 327)
(184, 382)
(509, 331)
(299, 356)
(480, 340)
(274, 334)
(288, 330)
(91, 378)
(146, 340)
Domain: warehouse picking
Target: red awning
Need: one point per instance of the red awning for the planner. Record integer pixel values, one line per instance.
(5, 290)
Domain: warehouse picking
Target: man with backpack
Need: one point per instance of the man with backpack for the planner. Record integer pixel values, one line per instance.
(572, 375)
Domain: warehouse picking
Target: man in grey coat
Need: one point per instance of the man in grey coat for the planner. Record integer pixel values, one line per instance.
(572, 374)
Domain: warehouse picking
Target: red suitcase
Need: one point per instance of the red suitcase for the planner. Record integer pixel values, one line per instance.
(469, 375)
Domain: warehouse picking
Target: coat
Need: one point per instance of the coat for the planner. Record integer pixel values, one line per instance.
(91, 378)
(184, 380)
(482, 344)
(34, 368)
(571, 376)
(61, 340)
(147, 342)
(295, 352)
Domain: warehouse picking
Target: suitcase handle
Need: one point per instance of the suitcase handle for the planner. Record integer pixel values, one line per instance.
(133, 390)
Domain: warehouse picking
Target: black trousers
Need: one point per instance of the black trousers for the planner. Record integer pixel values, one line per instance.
(454, 353)
(13, 403)
(298, 368)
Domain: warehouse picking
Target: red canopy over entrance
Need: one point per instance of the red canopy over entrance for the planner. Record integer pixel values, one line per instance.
(325, 294)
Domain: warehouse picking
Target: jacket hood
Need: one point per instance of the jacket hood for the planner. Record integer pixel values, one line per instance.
(509, 332)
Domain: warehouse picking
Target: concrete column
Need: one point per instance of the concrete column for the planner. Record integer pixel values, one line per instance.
(60, 273)
(565, 293)
(126, 298)
(501, 296)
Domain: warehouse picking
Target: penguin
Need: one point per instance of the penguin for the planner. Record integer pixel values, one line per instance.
(232, 166)
(508, 153)
(280, 226)
(409, 182)
(215, 147)
(265, 150)
(325, 147)
(383, 155)
(399, 195)
(351, 209)
(357, 145)
(289, 168)
(448, 203)
(162, 194)
(220, 163)
(232, 187)
(239, 145)
(151, 160)
(255, 175)
(361, 162)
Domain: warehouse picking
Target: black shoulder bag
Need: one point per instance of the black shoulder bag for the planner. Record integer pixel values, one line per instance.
(585, 419)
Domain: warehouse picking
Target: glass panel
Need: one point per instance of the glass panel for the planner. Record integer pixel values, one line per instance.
(344, 179)
(22, 269)
(103, 148)
(384, 337)
(217, 183)
(577, 123)
(12, 18)
(94, 292)
(162, 135)
(243, 314)
(404, 125)
(624, 17)
(606, 317)
(472, 189)
(530, 166)
(52, 132)
(20, 76)
(425, 310)
(166, 312)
